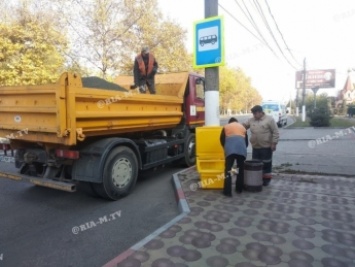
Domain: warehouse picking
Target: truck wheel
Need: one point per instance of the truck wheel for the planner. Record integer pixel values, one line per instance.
(190, 151)
(119, 175)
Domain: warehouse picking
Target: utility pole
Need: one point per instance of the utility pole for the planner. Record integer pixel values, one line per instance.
(212, 78)
(304, 90)
(315, 90)
(304, 81)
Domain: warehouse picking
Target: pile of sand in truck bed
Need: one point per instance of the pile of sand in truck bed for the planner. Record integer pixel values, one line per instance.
(97, 82)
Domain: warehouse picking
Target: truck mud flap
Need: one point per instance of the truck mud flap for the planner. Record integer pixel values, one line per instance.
(64, 186)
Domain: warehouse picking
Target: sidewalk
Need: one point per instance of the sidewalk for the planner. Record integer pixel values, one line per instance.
(297, 221)
(320, 151)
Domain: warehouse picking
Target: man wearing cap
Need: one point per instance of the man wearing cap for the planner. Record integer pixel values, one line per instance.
(264, 138)
(145, 68)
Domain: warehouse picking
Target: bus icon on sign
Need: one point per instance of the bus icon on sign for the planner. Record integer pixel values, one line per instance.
(210, 39)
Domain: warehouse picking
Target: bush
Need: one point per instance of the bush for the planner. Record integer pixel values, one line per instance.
(320, 117)
(351, 111)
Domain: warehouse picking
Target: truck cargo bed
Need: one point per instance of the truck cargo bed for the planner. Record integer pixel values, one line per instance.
(66, 112)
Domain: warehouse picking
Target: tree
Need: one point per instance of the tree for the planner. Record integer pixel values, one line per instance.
(321, 100)
(319, 116)
(227, 88)
(31, 48)
(236, 91)
(163, 36)
(96, 28)
(109, 33)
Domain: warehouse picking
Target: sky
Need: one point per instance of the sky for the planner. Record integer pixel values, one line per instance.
(320, 31)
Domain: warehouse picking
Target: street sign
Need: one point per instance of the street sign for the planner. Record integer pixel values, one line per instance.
(316, 78)
(208, 43)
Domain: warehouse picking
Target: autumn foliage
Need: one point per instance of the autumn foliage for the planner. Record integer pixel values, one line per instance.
(41, 39)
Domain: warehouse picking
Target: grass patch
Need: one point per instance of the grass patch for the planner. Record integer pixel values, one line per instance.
(299, 123)
(341, 122)
(334, 122)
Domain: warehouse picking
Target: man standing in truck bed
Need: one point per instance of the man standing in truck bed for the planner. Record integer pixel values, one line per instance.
(145, 68)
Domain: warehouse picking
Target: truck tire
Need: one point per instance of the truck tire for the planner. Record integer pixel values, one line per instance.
(190, 151)
(119, 174)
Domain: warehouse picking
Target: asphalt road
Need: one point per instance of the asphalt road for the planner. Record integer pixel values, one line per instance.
(37, 224)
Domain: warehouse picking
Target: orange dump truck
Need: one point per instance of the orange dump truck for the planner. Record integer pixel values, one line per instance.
(64, 133)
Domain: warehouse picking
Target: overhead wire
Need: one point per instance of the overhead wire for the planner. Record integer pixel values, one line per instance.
(230, 14)
(252, 22)
(278, 29)
(260, 40)
(260, 10)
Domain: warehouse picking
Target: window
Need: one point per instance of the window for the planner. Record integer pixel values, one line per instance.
(200, 88)
(273, 107)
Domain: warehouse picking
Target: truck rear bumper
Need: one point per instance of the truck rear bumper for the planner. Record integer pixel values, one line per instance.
(59, 185)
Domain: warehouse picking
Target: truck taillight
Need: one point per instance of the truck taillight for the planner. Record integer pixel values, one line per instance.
(68, 154)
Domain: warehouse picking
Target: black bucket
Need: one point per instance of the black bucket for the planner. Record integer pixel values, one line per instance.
(253, 175)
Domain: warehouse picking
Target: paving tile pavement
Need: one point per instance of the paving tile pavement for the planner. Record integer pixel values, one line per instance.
(297, 221)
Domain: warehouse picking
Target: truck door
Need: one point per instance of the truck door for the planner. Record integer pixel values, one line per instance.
(195, 101)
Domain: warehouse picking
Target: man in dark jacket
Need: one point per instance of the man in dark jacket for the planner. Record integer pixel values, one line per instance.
(234, 140)
(145, 68)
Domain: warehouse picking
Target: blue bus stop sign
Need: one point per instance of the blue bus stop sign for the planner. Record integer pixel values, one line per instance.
(208, 43)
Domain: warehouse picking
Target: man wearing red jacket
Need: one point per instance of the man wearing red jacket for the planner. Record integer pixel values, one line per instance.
(145, 68)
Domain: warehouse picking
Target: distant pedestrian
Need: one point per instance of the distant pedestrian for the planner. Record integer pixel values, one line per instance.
(145, 68)
(234, 140)
(264, 139)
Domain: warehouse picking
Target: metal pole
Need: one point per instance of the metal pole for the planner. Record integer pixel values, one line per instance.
(212, 78)
(315, 90)
(304, 81)
(304, 91)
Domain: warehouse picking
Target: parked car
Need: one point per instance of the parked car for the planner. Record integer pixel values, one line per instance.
(277, 110)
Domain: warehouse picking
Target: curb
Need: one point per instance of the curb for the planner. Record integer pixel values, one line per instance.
(183, 209)
(312, 178)
(179, 193)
